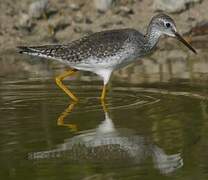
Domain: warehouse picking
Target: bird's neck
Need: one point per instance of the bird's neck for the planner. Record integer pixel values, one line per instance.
(152, 37)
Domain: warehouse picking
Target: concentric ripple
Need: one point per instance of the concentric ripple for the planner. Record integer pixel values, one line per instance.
(27, 94)
(24, 94)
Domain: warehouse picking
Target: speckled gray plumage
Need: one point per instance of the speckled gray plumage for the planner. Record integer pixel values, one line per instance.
(103, 52)
(99, 45)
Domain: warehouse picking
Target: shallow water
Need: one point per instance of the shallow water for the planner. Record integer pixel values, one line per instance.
(154, 132)
(154, 124)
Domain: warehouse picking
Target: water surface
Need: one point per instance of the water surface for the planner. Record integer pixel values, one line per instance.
(145, 133)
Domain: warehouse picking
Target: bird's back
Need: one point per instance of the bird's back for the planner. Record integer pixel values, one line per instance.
(100, 45)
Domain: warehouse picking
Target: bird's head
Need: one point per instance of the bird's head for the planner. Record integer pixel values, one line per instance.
(165, 25)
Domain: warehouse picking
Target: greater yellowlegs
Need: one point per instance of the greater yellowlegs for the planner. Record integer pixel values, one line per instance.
(106, 51)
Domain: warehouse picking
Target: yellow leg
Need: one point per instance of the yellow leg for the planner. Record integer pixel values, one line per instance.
(60, 121)
(103, 93)
(105, 109)
(63, 87)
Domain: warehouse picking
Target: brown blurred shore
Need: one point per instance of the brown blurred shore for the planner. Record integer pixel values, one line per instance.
(28, 22)
(60, 21)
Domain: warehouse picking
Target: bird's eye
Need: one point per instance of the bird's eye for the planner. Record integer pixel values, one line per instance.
(167, 25)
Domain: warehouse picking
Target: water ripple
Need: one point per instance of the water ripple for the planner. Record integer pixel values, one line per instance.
(24, 94)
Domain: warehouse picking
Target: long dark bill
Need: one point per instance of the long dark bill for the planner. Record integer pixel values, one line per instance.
(179, 37)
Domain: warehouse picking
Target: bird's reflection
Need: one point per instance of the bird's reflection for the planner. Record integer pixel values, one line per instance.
(60, 121)
(108, 143)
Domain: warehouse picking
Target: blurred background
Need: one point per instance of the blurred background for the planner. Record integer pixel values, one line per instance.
(29, 22)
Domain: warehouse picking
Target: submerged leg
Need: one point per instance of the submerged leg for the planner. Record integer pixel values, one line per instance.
(63, 87)
(60, 121)
(104, 106)
(103, 92)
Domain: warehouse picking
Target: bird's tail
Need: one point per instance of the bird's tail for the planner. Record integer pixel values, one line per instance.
(45, 51)
(29, 50)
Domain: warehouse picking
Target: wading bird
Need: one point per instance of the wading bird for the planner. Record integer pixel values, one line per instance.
(106, 51)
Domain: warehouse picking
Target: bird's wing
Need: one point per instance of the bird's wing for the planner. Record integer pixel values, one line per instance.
(99, 45)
